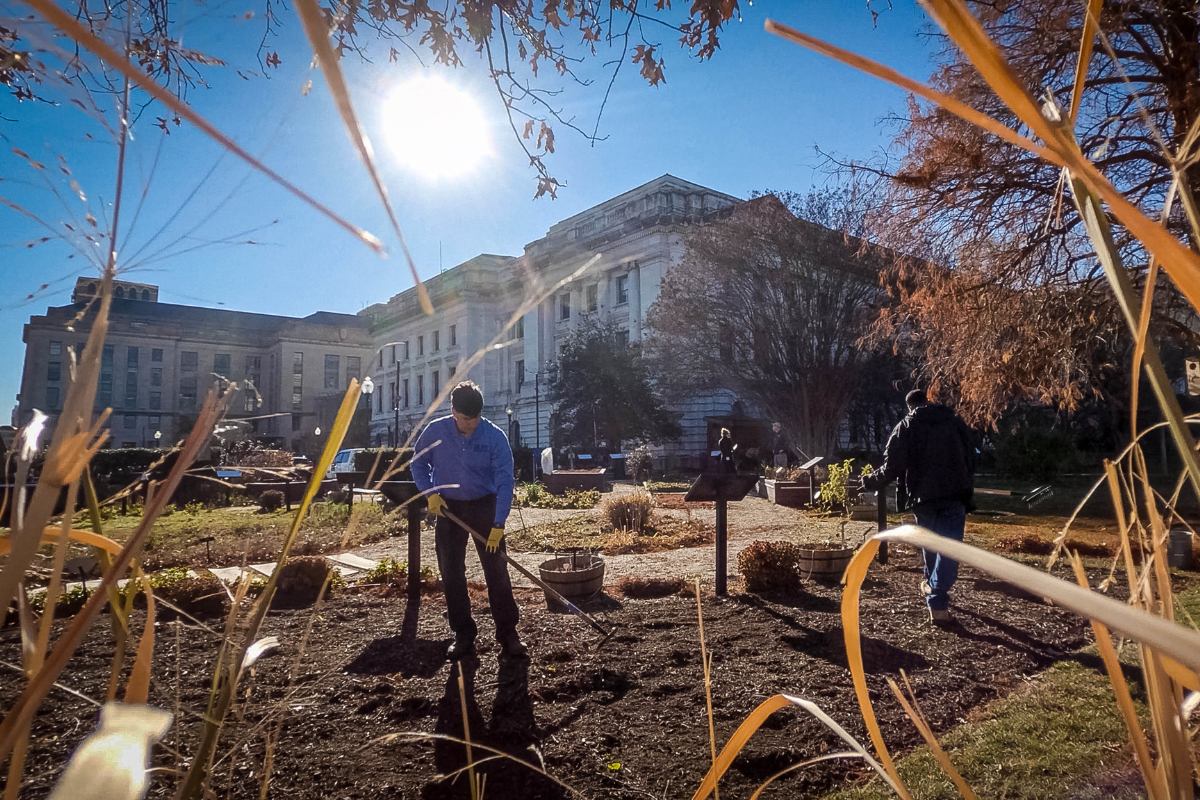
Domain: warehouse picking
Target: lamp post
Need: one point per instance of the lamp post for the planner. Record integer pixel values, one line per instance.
(509, 412)
(396, 408)
(367, 388)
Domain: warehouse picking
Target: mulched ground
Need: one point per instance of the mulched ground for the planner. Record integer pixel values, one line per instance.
(622, 720)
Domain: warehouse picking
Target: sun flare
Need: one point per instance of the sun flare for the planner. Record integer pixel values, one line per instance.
(435, 128)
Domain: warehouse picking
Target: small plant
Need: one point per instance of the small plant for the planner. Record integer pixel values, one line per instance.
(270, 500)
(770, 566)
(535, 495)
(135, 510)
(631, 512)
(68, 605)
(835, 489)
(388, 572)
(194, 508)
(168, 509)
(648, 588)
(301, 579)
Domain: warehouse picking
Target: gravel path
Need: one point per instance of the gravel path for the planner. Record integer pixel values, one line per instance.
(749, 520)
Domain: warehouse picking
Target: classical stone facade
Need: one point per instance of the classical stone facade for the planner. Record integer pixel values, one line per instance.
(623, 246)
(160, 359)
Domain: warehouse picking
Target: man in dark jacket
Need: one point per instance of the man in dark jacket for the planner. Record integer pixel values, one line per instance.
(933, 451)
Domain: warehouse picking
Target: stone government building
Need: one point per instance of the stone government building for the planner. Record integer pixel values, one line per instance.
(160, 358)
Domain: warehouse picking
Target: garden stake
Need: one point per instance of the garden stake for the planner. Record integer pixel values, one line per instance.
(574, 609)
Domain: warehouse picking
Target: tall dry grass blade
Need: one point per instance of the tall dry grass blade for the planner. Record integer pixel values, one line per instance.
(68, 453)
(462, 700)
(313, 20)
(1167, 638)
(856, 572)
(1100, 233)
(755, 720)
(26, 704)
(1155, 789)
(228, 671)
(890, 75)
(1114, 488)
(788, 770)
(707, 665)
(138, 689)
(1171, 736)
(931, 741)
(54, 590)
(1087, 41)
(89, 41)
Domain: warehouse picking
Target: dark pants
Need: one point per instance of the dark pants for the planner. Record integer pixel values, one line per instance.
(947, 520)
(451, 543)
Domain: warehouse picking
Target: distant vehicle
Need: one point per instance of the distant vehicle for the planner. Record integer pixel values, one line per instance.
(301, 461)
(342, 462)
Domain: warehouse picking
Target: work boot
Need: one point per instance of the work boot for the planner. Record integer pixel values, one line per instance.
(926, 589)
(940, 616)
(462, 647)
(513, 646)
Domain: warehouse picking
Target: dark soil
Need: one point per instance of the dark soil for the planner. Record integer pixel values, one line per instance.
(625, 719)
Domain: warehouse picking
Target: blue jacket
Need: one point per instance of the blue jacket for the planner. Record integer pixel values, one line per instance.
(463, 468)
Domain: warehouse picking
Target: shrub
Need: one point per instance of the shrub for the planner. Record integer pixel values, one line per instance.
(249, 453)
(168, 510)
(270, 500)
(835, 489)
(301, 579)
(668, 486)
(535, 495)
(193, 594)
(193, 508)
(631, 512)
(68, 605)
(770, 566)
(1036, 453)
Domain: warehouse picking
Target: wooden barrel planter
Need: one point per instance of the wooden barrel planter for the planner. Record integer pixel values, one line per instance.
(577, 577)
(824, 563)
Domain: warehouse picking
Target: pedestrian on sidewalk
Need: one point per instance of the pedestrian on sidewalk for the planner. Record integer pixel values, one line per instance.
(464, 465)
(725, 447)
(933, 450)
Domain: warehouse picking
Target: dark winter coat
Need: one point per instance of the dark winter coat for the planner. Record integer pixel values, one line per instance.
(933, 450)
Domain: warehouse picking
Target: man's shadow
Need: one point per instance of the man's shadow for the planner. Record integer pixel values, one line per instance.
(512, 731)
(405, 654)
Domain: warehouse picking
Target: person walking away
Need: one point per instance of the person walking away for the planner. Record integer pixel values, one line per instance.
(725, 446)
(464, 465)
(779, 445)
(932, 449)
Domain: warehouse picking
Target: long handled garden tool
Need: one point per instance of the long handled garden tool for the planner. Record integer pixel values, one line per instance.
(1031, 498)
(574, 609)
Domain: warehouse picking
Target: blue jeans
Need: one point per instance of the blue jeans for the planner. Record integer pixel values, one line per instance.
(941, 572)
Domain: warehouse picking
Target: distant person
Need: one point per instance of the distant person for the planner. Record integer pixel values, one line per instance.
(726, 447)
(779, 445)
(470, 474)
(933, 451)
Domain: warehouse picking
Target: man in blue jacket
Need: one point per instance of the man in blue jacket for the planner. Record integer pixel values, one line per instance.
(464, 464)
(934, 452)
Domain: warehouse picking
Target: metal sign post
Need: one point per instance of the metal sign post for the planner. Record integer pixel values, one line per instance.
(721, 489)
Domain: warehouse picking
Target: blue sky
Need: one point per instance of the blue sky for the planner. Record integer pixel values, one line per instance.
(747, 119)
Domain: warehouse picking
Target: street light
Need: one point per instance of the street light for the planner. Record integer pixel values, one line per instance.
(509, 412)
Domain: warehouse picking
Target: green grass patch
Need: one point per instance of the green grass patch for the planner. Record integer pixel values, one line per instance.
(248, 533)
(1057, 737)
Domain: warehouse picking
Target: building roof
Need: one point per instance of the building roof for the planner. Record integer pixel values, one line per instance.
(217, 318)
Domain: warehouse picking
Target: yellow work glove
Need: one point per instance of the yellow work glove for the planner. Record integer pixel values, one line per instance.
(494, 540)
(436, 504)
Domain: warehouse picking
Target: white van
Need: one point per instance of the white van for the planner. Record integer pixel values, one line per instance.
(342, 462)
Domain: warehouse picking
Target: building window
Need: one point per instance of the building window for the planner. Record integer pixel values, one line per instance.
(222, 365)
(520, 328)
(393, 388)
(153, 422)
(420, 346)
(104, 391)
(297, 422)
(379, 399)
(56, 348)
(130, 422)
(436, 384)
(54, 371)
(406, 393)
(353, 368)
(453, 370)
(156, 401)
(156, 376)
(420, 390)
(623, 338)
(405, 345)
(381, 359)
(437, 341)
(297, 381)
(393, 354)
(593, 297)
(622, 289)
(564, 306)
(188, 361)
(454, 335)
(156, 354)
(253, 377)
(520, 375)
(333, 365)
(52, 398)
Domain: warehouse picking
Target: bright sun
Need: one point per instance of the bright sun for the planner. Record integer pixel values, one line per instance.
(435, 128)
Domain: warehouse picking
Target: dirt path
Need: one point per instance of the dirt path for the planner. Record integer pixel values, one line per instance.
(750, 520)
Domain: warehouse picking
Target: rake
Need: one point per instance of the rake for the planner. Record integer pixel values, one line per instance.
(1031, 498)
